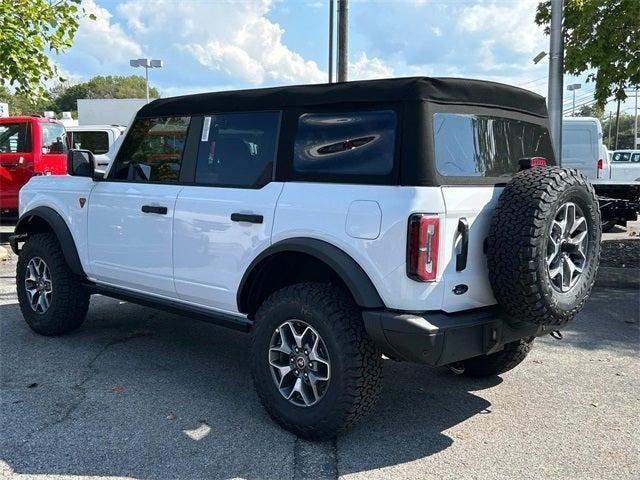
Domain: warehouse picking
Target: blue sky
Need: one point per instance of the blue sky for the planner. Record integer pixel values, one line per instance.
(214, 45)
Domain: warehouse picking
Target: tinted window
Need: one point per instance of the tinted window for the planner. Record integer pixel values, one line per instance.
(53, 133)
(361, 143)
(15, 137)
(96, 142)
(152, 150)
(635, 158)
(621, 156)
(237, 149)
(481, 145)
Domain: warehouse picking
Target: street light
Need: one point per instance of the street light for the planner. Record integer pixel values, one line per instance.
(539, 57)
(572, 88)
(147, 64)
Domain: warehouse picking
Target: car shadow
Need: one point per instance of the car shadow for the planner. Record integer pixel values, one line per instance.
(141, 393)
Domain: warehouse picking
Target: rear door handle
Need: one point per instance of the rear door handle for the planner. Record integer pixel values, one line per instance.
(463, 231)
(154, 209)
(247, 217)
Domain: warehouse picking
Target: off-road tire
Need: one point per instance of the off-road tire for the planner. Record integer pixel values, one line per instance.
(356, 362)
(517, 246)
(500, 362)
(70, 299)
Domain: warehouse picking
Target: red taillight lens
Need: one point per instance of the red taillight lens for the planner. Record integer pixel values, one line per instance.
(422, 248)
(599, 167)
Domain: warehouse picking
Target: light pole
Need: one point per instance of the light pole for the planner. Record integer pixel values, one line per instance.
(572, 88)
(636, 141)
(147, 64)
(343, 39)
(556, 61)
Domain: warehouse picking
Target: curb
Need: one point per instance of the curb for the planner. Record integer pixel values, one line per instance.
(615, 277)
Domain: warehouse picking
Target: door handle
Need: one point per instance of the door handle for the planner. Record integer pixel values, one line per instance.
(154, 209)
(247, 217)
(463, 231)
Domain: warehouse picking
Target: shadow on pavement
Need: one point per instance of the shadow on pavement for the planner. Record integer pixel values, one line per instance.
(140, 393)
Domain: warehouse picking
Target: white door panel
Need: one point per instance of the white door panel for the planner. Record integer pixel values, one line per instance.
(128, 247)
(211, 252)
(475, 204)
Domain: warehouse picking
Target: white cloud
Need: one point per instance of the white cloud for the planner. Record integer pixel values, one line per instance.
(102, 42)
(231, 37)
(365, 68)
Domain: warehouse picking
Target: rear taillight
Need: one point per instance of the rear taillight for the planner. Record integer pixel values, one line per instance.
(422, 247)
(599, 167)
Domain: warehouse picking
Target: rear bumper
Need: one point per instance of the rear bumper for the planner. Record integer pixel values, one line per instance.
(438, 338)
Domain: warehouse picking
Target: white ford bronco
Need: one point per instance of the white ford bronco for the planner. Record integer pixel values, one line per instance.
(420, 218)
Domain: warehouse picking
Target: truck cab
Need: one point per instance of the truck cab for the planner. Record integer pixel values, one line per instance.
(28, 146)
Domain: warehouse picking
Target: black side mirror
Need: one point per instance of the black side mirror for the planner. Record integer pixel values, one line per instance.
(81, 163)
(57, 147)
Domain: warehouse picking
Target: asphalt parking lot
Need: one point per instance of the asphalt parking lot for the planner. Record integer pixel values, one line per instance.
(138, 393)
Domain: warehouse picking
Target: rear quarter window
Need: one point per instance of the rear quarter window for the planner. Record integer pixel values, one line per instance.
(470, 145)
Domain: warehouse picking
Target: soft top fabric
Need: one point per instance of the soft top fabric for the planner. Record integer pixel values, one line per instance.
(413, 89)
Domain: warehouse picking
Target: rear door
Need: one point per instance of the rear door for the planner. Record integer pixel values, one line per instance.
(224, 219)
(476, 153)
(131, 213)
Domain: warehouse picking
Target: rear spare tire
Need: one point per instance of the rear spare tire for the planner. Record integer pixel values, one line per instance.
(543, 247)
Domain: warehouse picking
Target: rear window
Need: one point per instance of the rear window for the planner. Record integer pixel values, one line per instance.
(15, 138)
(96, 141)
(577, 143)
(621, 156)
(349, 143)
(468, 145)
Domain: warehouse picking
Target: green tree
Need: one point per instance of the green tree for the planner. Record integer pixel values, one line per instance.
(31, 29)
(625, 132)
(600, 35)
(132, 86)
(21, 104)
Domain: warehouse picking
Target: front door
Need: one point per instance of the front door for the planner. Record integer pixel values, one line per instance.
(131, 213)
(224, 221)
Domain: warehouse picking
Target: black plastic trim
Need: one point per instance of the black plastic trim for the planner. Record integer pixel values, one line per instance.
(61, 230)
(172, 306)
(247, 217)
(354, 277)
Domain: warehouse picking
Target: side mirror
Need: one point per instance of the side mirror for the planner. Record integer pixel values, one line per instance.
(81, 163)
(57, 147)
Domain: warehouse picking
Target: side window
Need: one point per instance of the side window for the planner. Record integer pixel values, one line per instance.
(96, 142)
(54, 138)
(237, 149)
(15, 138)
(351, 143)
(152, 150)
(621, 156)
(635, 158)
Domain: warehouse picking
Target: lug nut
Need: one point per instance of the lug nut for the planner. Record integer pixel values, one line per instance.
(306, 374)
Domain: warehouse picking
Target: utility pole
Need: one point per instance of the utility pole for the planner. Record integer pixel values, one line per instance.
(331, 10)
(343, 39)
(636, 142)
(556, 60)
(617, 122)
(609, 145)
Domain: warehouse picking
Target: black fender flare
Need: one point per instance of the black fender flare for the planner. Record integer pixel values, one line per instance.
(354, 277)
(59, 228)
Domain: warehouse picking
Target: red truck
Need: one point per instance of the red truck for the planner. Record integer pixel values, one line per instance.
(28, 146)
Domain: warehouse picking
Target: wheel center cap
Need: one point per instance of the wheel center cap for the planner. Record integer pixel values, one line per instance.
(301, 362)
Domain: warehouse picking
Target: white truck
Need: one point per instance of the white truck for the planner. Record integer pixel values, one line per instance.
(420, 218)
(617, 183)
(102, 140)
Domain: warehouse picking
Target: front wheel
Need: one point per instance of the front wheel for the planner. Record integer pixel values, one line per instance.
(51, 297)
(315, 369)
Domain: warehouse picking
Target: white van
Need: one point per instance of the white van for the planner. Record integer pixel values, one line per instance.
(582, 147)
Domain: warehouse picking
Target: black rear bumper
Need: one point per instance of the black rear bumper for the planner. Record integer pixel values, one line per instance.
(438, 338)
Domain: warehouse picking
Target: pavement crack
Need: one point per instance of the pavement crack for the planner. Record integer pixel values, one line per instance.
(79, 386)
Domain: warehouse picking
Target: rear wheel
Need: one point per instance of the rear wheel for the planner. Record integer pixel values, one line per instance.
(315, 369)
(496, 363)
(51, 297)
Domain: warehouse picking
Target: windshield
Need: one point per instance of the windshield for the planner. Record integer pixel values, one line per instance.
(621, 156)
(469, 145)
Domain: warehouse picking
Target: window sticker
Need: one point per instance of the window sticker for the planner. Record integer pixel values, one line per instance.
(206, 126)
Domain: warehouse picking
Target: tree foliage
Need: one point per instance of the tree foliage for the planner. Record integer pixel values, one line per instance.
(31, 29)
(600, 35)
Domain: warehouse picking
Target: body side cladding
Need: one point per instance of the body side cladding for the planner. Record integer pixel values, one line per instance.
(28, 224)
(347, 269)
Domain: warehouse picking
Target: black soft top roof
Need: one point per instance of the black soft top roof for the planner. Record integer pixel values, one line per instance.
(444, 90)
